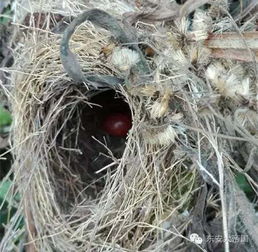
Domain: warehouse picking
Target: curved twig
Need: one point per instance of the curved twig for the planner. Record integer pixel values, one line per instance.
(106, 21)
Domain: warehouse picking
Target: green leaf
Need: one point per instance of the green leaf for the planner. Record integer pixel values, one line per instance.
(6, 213)
(243, 183)
(7, 15)
(4, 188)
(5, 117)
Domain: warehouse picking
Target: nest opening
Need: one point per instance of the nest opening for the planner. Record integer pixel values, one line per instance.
(98, 152)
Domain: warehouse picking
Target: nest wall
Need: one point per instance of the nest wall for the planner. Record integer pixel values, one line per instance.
(136, 198)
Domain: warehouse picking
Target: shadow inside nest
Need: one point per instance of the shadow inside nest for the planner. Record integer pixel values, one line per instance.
(97, 152)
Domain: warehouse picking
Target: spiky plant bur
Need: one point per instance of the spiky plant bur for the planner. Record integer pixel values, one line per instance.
(162, 136)
(124, 58)
(201, 25)
(229, 82)
(160, 107)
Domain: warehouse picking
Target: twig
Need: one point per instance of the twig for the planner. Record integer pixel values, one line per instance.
(232, 40)
(232, 46)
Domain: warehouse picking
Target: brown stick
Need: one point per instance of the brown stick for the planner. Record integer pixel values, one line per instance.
(233, 40)
(234, 54)
(232, 45)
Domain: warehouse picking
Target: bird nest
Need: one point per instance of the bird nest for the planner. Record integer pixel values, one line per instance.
(170, 183)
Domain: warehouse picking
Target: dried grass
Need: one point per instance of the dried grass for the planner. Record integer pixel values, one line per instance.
(185, 135)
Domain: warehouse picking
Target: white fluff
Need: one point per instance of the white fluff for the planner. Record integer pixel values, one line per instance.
(180, 58)
(160, 107)
(164, 137)
(228, 83)
(124, 58)
(201, 25)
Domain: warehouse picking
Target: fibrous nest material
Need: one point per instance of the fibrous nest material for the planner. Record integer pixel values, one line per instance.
(170, 185)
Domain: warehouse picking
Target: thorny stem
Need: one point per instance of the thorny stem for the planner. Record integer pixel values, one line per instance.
(106, 21)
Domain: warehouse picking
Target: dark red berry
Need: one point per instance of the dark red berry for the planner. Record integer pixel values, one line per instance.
(117, 124)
